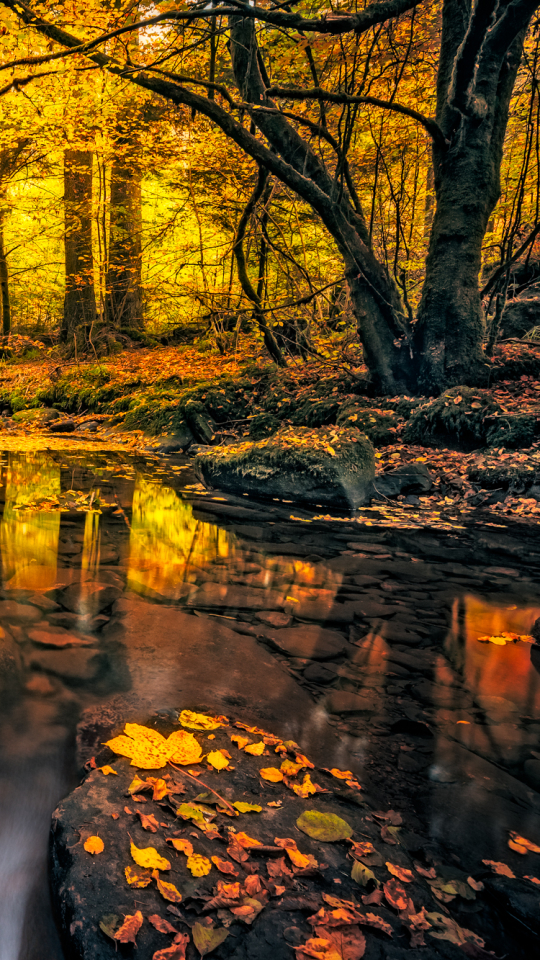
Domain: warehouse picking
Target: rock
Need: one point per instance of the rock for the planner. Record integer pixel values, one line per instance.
(531, 770)
(40, 686)
(58, 638)
(517, 901)
(317, 673)
(43, 603)
(415, 728)
(43, 414)
(329, 466)
(519, 316)
(91, 426)
(325, 611)
(200, 422)
(409, 478)
(77, 666)
(314, 643)
(10, 668)
(274, 618)
(9, 610)
(397, 632)
(62, 426)
(222, 595)
(344, 702)
(180, 440)
(88, 598)
(440, 696)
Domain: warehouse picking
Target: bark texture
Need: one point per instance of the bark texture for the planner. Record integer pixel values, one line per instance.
(79, 298)
(5, 304)
(123, 305)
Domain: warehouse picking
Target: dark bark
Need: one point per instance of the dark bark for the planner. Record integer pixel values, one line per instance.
(79, 298)
(123, 304)
(5, 305)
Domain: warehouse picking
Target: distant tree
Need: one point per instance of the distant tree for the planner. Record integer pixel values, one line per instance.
(80, 298)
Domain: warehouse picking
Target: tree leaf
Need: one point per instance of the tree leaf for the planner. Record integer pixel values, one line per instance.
(217, 760)
(94, 845)
(362, 875)
(106, 770)
(500, 868)
(148, 822)
(183, 748)
(149, 857)
(246, 807)
(395, 894)
(198, 865)
(109, 924)
(130, 928)
(272, 774)
(402, 873)
(167, 890)
(184, 846)
(255, 749)
(225, 867)
(207, 939)
(198, 721)
(162, 925)
(177, 951)
(327, 827)
(138, 878)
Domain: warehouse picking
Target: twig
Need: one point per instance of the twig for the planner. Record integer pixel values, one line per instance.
(205, 785)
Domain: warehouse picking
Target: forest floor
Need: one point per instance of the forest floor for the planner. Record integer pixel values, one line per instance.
(482, 447)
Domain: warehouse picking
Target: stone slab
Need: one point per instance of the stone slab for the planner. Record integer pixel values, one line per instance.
(222, 595)
(313, 643)
(78, 666)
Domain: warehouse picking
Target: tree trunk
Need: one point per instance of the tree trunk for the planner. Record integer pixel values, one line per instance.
(80, 298)
(123, 305)
(5, 306)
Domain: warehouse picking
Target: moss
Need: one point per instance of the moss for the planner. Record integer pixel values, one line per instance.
(262, 426)
(316, 412)
(381, 426)
(459, 417)
(512, 432)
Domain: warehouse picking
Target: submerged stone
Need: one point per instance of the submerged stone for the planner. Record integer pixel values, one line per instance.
(329, 466)
(314, 643)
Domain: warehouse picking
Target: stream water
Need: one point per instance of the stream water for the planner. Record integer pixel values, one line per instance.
(358, 640)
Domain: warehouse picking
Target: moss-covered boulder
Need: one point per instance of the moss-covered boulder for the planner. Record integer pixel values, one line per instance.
(330, 466)
(381, 426)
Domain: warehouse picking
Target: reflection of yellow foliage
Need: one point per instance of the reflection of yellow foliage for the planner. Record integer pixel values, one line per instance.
(29, 539)
(91, 545)
(166, 540)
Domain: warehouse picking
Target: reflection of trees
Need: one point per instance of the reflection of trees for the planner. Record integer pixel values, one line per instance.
(167, 544)
(29, 537)
(91, 544)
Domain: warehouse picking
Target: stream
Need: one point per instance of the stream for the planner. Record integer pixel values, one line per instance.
(128, 591)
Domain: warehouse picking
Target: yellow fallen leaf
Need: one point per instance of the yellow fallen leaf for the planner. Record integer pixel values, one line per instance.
(290, 769)
(94, 845)
(272, 774)
(138, 878)
(198, 721)
(217, 760)
(305, 789)
(341, 774)
(299, 860)
(107, 770)
(239, 740)
(255, 749)
(149, 857)
(160, 790)
(198, 865)
(184, 748)
(184, 846)
(137, 785)
(167, 890)
(245, 841)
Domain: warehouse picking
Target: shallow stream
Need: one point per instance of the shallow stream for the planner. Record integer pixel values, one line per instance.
(358, 640)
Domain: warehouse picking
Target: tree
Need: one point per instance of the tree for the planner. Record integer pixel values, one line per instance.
(80, 299)
(12, 160)
(479, 53)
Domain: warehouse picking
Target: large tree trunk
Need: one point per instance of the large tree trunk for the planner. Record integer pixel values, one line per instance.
(80, 298)
(5, 305)
(123, 305)
(450, 329)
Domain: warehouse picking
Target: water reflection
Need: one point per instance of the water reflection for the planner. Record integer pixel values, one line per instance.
(29, 539)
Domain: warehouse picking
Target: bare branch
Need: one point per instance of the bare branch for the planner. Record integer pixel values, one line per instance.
(316, 93)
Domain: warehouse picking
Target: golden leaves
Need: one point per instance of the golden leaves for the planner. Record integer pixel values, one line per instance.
(224, 866)
(505, 638)
(521, 845)
(272, 774)
(94, 845)
(396, 895)
(327, 827)
(198, 865)
(106, 770)
(206, 938)
(304, 789)
(149, 750)
(167, 890)
(255, 749)
(217, 760)
(239, 740)
(149, 857)
(138, 878)
(247, 807)
(298, 859)
(198, 721)
(148, 822)
(184, 846)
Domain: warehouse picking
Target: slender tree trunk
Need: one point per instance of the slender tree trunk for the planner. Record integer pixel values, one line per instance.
(123, 305)
(5, 305)
(79, 299)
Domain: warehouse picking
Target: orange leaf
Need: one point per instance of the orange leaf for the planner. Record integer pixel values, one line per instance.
(298, 859)
(224, 866)
(239, 740)
(522, 842)
(160, 790)
(272, 774)
(130, 928)
(501, 868)
(167, 890)
(184, 846)
(148, 822)
(107, 770)
(396, 895)
(247, 842)
(363, 849)
(162, 925)
(138, 876)
(94, 845)
(236, 851)
(176, 952)
(407, 876)
(255, 749)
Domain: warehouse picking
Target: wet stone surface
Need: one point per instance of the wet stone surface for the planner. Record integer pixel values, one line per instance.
(357, 641)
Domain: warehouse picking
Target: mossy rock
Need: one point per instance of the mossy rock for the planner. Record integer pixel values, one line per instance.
(381, 426)
(512, 432)
(330, 466)
(36, 414)
(316, 413)
(460, 417)
(262, 426)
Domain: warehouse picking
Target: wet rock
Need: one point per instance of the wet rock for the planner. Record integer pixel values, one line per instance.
(73, 665)
(42, 414)
(330, 466)
(518, 901)
(88, 598)
(520, 316)
(531, 770)
(415, 728)
(317, 673)
(409, 478)
(9, 610)
(66, 548)
(398, 633)
(58, 638)
(10, 668)
(45, 604)
(199, 422)
(439, 695)
(345, 702)
(239, 598)
(274, 618)
(315, 643)
(62, 426)
(325, 610)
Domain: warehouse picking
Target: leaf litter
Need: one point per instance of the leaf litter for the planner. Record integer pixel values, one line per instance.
(220, 878)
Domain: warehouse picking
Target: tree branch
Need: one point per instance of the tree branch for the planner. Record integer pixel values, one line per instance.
(316, 93)
(497, 274)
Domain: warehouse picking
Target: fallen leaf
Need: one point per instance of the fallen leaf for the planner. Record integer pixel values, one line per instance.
(94, 845)
(148, 822)
(246, 807)
(115, 816)
(129, 929)
(373, 920)
(327, 827)
(290, 769)
(246, 842)
(402, 873)
(522, 842)
(275, 803)
(239, 740)
(340, 774)
(224, 866)
(272, 774)
(444, 928)
(198, 721)
(109, 924)
(389, 834)
(198, 865)
(278, 868)
(298, 859)
(253, 885)
(395, 894)
(217, 760)
(304, 789)
(236, 851)
(145, 747)
(300, 758)
(255, 749)
(138, 878)
(106, 770)
(318, 948)
(362, 874)
(183, 846)
(149, 857)
(363, 849)
(167, 890)
(373, 899)
(137, 785)
(162, 925)
(175, 952)
(231, 891)
(160, 790)
(207, 939)
(248, 910)
(475, 884)
(430, 872)
(183, 748)
(532, 879)
(501, 868)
